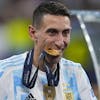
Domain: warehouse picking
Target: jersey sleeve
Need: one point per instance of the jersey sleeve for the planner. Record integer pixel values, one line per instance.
(3, 83)
(84, 86)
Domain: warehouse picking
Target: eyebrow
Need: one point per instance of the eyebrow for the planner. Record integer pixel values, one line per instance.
(52, 30)
(66, 29)
(55, 30)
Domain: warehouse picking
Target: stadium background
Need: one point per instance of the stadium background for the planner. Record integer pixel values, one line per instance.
(16, 15)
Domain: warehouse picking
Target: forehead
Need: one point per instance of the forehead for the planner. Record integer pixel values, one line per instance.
(55, 21)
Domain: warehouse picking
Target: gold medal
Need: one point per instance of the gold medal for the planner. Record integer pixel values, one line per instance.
(49, 92)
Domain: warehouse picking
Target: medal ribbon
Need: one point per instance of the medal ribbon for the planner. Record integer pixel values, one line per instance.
(27, 71)
(53, 79)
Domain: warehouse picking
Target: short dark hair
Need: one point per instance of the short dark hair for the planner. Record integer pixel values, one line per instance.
(51, 7)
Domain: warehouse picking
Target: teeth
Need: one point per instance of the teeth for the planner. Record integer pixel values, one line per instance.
(53, 52)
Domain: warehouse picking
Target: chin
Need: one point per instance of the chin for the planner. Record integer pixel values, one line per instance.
(54, 59)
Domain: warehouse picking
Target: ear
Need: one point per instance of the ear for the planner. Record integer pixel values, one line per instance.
(32, 32)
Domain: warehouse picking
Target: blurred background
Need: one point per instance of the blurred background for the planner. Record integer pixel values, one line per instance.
(16, 15)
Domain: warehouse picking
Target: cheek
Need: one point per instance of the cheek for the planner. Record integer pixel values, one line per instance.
(40, 38)
(49, 42)
(44, 41)
(40, 42)
(67, 40)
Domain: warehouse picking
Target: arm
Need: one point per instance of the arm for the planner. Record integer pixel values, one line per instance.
(84, 86)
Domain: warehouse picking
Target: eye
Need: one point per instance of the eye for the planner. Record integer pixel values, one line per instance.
(52, 32)
(66, 32)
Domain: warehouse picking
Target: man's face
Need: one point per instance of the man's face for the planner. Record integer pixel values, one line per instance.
(54, 33)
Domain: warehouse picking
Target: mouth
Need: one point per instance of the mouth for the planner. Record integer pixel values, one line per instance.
(53, 52)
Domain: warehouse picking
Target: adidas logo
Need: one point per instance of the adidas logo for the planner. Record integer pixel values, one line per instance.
(30, 97)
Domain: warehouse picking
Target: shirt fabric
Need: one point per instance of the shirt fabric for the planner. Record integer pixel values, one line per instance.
(73, 84)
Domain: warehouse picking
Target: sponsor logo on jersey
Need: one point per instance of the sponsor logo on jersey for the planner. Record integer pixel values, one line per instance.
(30, 97)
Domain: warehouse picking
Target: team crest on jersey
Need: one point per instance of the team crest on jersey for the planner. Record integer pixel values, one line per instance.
(68, 96)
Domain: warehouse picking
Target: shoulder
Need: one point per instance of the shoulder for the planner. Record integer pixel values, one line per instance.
(76, 69)
(69, 63)
(12, 62)
(72, 66)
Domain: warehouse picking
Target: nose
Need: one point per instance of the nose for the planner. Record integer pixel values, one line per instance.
(59, 41)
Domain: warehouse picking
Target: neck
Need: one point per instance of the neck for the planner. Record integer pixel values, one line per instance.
(37, 53)
(40, 63)
(52, 66)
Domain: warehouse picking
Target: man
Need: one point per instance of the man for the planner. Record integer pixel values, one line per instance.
(42, 73)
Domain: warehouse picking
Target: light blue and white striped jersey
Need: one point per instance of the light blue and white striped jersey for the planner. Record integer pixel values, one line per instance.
(73, 84)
